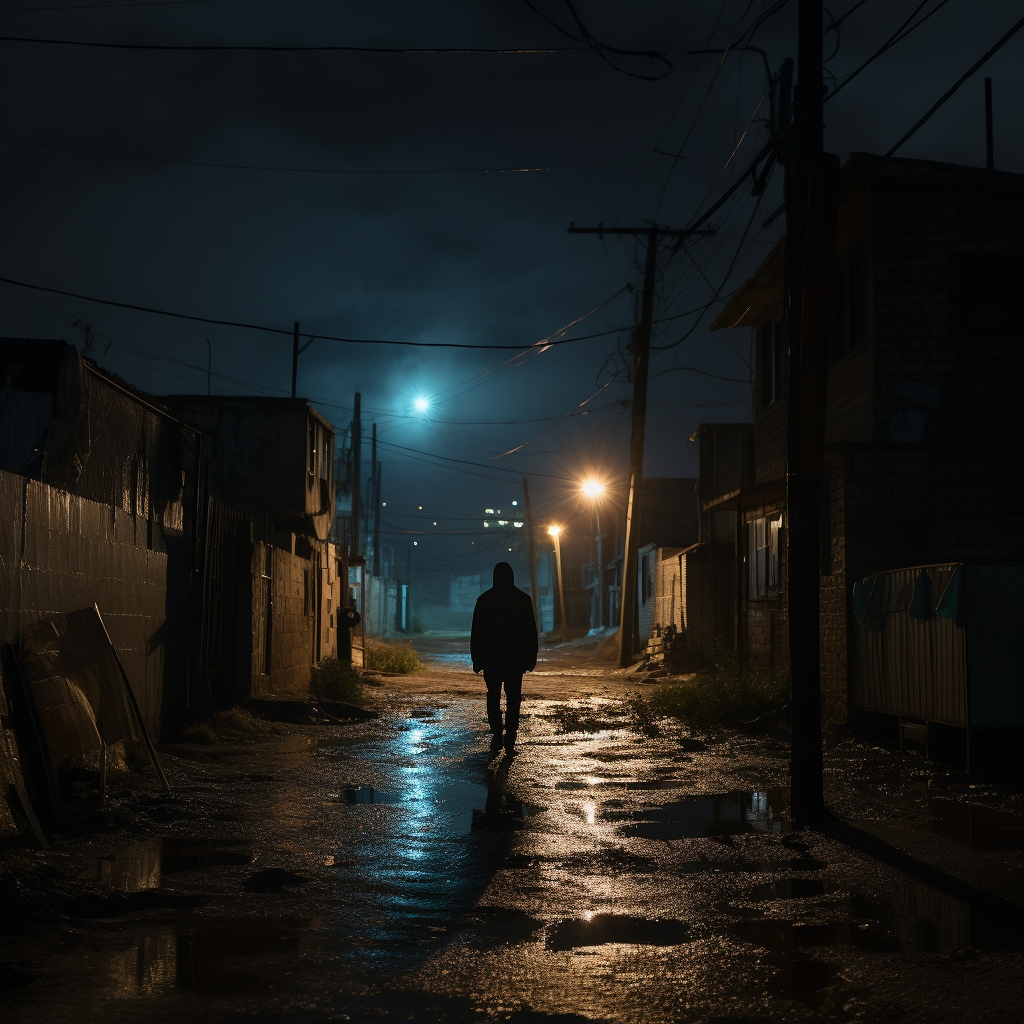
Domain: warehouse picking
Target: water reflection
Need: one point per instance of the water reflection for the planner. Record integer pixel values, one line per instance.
(721, 815)
(601, 929)
(143, 865)
(216, 957)
(424, 864)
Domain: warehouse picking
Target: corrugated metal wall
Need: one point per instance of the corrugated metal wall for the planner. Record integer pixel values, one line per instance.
(912, 667)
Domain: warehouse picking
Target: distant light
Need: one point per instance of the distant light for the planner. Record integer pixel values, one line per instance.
(517, 525)
(515, 502)
(384, 503)
(421, 508)
(415, 543)
(554, 530)
(486, 523)
(592, 488)
(421, 404)
(435, 524)
(489, 511)
(510, 549)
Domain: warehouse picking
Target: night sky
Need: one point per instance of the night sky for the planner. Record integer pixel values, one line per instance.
(420, 232)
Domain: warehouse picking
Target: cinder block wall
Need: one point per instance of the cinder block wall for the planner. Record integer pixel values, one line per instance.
(294, 622)
(60, 553)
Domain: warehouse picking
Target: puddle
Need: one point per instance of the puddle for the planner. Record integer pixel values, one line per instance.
(981, 828)
(704, 817)
(216, 958)
(364, 795)
(601, 929)
(627, 784)
(143, 865)
(917, 919)
(789, 889)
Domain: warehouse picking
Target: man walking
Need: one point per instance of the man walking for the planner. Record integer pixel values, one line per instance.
(504, 646)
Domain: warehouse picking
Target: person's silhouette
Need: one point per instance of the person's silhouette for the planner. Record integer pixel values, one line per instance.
(504, 646)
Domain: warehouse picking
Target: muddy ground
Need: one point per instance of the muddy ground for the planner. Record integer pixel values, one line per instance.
(389, 870)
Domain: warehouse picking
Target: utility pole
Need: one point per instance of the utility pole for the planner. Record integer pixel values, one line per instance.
(295, 356)
(357, 469)
(812, 199)
(209, 364)
(377, 561)
(990, 163)
(532, 544)
(641, 345)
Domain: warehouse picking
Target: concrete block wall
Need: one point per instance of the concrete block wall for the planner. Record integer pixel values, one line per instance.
(61, 553)
(294, 623)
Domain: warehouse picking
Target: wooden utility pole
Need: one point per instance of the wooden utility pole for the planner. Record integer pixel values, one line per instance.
(990, 163)
(376, 507)
(531, 541)
(295, 356)
(641, 344)
(357, 468)
(812, 200)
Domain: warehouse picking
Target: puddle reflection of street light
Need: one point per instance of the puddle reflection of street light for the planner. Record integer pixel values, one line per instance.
(554, 531)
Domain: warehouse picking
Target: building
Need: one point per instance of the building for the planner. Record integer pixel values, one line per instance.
(273, 581)
(923, 425)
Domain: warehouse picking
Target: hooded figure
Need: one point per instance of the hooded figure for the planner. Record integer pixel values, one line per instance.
(504, 646)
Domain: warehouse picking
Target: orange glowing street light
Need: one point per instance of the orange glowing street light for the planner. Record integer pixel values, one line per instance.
(555, 530)
(592, 488)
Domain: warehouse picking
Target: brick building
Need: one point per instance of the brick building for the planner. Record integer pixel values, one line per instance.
(923, 425)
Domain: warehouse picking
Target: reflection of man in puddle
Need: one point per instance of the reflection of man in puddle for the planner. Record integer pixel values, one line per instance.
(504, 646)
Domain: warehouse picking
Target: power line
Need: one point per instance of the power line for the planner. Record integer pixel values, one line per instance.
(281, 330)
(256, 48)
(960, 81)
(317, 170)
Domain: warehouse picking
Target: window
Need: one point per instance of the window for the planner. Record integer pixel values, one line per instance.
(847, 309)
(774, 553)
(772, 362)
(764, 559)
(757, 544)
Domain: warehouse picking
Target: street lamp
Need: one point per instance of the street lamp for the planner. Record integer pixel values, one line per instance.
(554, 530)
(594, 489)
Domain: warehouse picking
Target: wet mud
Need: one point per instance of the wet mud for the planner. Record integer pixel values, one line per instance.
(394, 870)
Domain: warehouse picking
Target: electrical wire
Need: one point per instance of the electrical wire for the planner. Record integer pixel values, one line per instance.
(256, 48)
(281, 330)
(316, 170)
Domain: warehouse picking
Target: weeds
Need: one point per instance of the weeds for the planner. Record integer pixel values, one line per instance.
(384, 657)
(200, 732)
(332, 679)
(642, 715)
(751, 700)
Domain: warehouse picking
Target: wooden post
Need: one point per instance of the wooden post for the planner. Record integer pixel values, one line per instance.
(532, 545)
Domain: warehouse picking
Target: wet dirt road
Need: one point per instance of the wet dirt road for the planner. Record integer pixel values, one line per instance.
(390, 871)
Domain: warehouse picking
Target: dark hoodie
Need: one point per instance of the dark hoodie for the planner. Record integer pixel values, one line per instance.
(504, 627)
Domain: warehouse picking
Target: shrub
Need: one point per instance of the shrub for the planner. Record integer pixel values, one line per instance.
(332, 679)
(721, 697)
(200, 732)
(384, 657)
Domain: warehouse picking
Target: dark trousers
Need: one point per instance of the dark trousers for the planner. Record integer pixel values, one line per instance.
(494, 677)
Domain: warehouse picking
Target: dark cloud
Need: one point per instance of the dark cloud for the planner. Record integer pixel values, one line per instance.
(431, 257)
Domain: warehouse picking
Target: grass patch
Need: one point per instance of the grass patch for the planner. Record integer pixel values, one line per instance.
(385, 657)
(336, 680)
(757, 699)
(201, 732)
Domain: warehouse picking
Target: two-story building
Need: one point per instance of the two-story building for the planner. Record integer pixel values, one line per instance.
(924, 428)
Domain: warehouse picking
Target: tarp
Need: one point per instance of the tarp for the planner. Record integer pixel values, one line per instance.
(76, 683)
